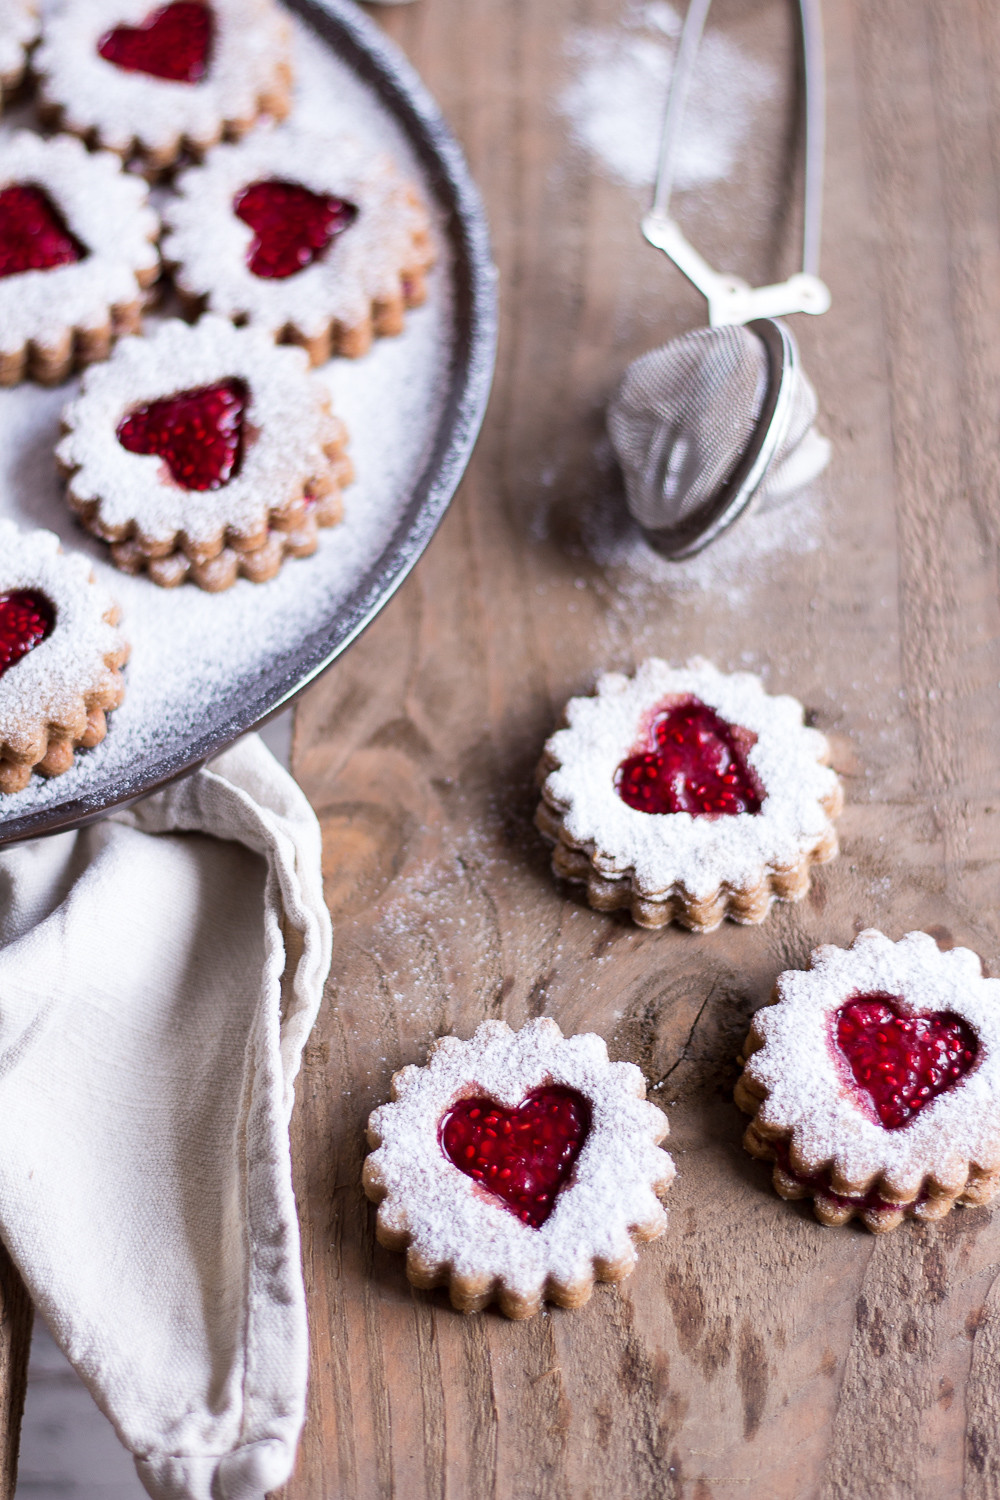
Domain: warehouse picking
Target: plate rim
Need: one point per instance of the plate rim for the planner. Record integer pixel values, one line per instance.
(382, 66)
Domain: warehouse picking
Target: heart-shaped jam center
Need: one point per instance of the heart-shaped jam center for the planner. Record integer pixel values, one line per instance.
(292, 225)
(692, 761)
(902, 1062)
(173, 43)
(33, 233)
(198, 434)
(524, 1155)
(27, 618)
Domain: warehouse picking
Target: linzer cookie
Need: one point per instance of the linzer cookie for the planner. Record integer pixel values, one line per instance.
(153, 82)
(873, 1079)
(60, 657)
(312, 237)
(518, 1166)
(204, 453)
(19, 27)
(77, 249)
(688, 795)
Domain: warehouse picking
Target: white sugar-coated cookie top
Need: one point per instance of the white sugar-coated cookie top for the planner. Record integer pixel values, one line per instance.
(811, 1094)
(287, 426)
(47, 685)
(251, 44)
(108, 212)
(664, 850)
(453, 1222)
(208, 243)
(18, 29)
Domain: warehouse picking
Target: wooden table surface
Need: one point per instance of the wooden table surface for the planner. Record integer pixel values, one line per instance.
(753, 1352)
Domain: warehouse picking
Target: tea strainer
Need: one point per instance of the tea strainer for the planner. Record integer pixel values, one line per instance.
(723, 414)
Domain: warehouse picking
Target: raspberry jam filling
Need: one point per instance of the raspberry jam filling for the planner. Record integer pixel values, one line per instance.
(292, 226)
(899, 1062)
(693, 762)
(522, 1156)
(198, 434)
(173, 42)
(27, 618)
(33, 233)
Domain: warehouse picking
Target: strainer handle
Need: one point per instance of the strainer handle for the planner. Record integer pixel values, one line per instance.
(815, 124)
(730, 299)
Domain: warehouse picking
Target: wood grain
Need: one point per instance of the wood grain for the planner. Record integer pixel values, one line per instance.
(16, 1317)
(753, 1352)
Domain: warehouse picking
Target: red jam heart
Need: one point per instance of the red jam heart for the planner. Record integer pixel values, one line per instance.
(292, 225)
(33, 233)
(902, 1062)
(173, 43)
(693, 762)
(524, 1155)
(27, 618)
(198, 434)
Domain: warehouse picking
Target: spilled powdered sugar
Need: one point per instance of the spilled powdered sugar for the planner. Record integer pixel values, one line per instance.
(807, 1096)
(453, 1223)
(616, 99)
(738, 562)
(192, 649)
(664, 850)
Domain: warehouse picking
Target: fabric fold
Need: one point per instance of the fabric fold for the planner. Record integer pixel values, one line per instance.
(159, 975)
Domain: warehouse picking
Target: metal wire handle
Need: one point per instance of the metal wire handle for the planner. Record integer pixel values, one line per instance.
(730, 299)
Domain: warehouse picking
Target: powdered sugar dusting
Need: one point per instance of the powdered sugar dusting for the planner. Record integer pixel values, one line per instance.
(807, 1095)
(190, 648)
(106, 210)
(287, 408)
(667, 850)
(454, 1225)
(18, 29)
(739, 562)
(616, 99)
(248, 51)
(209, 243)
(50, 683)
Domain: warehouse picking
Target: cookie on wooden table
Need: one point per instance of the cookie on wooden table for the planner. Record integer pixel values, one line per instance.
(153, 82)
(19, 27)
(687, 794)
(873, 1079)
(313, 237)
(518, 1166)
(77, 251)
(204, 453)
(60, 657)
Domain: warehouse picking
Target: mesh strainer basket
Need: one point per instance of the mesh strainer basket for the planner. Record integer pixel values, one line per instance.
(709, 421)
(725, 413)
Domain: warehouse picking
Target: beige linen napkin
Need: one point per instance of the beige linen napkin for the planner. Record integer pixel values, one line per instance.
(159, 974)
